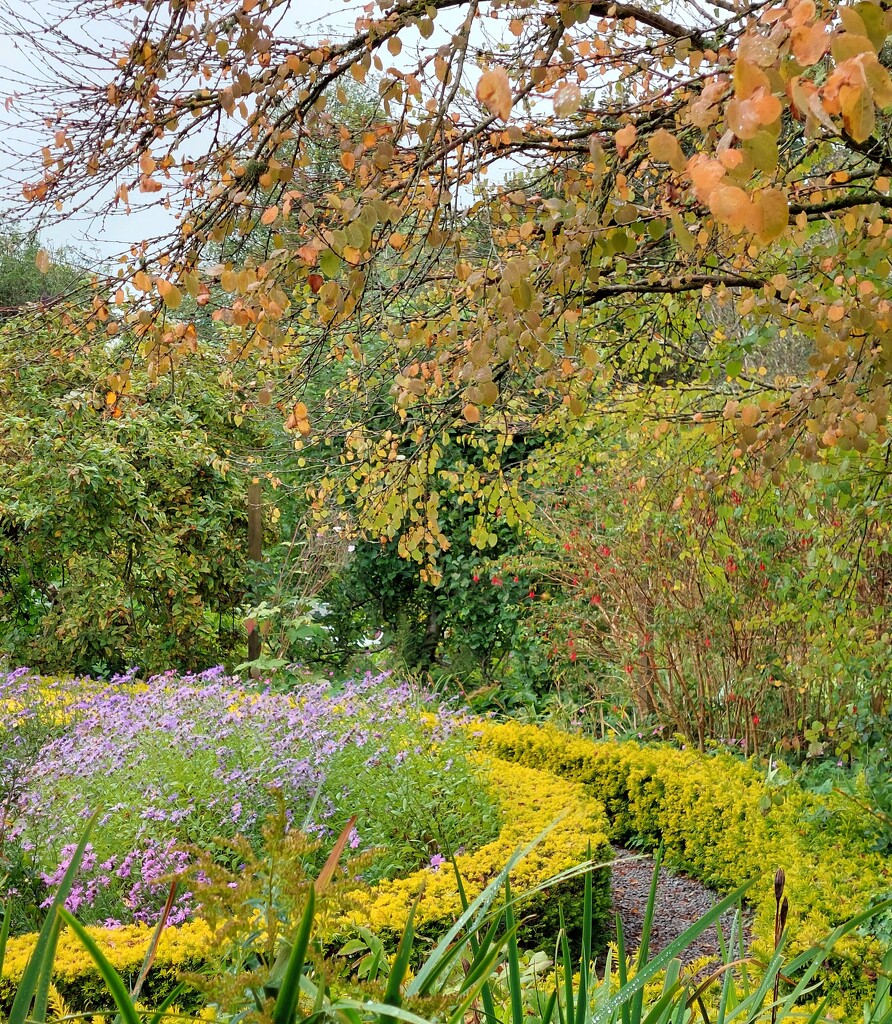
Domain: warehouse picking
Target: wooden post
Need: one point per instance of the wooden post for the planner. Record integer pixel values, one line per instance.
(255, 552)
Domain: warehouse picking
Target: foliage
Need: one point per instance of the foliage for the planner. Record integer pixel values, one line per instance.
(692, 187)
(561, 826)
(23, 282)
(708, 812)
(184, 763)
(122, 519)
(478, 960)
(719, 605)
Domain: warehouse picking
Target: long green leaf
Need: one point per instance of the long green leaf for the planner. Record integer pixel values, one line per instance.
(42, 995)
(286, 1001)
(400, 966)
(653, 967)
(644, 947)
(4, 932)
(41, 960)
(113, 981)
(515, 988)
(489, 1005)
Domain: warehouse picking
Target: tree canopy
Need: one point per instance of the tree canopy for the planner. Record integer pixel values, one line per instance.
(547, 208)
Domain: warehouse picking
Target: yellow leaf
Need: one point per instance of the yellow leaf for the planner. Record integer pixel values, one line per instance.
(664, 148)
(494, 92)
(772, 214)
(42, 259)
(858, 113)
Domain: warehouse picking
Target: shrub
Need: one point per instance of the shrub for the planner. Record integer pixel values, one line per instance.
(706, 810)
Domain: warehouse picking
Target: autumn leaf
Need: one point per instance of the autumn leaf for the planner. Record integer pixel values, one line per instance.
(664, 148)
(567, 99)
(494, 92)
(625, 139)
(772, 214)
(42, 261)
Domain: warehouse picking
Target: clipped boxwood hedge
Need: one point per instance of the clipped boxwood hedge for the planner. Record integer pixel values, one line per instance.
(531, 801)
(705, 809)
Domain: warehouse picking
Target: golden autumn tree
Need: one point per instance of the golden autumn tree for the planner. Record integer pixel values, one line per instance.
(547, 201)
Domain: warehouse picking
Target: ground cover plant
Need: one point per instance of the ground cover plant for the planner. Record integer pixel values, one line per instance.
(193, 761)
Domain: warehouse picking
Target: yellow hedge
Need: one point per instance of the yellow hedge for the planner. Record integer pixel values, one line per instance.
(530, 801)
(705, 809)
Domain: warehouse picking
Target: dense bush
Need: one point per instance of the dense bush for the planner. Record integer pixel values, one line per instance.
(715, 601)
(123, 521)
(708, 812)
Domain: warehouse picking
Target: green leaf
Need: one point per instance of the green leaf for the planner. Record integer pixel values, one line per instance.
(114, 982)
(286, 1001)
(40, 964)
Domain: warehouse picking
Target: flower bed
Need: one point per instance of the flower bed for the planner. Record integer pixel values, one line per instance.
(705, 809)
(178, 763)
(530, 801)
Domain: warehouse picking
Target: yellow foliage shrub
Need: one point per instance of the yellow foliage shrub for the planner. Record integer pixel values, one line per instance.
(705, 809)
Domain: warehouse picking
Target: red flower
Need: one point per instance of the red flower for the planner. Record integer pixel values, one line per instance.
(496, 581)
(755, 719)
(475, 578)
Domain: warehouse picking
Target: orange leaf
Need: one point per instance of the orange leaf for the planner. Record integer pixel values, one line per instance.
(348, 161)
(494, 92)
(809, 42)
(269, 215)
(625, 139)
(471, 413)
(732, 206)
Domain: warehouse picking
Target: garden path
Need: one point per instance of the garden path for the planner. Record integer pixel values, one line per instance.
(680, 902)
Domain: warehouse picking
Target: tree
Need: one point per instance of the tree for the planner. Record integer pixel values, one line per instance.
(695, 183)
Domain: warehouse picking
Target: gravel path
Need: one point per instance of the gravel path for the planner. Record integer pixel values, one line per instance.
(680, 902)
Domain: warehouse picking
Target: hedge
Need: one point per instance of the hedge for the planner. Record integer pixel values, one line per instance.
(704, 808)
(531, 801)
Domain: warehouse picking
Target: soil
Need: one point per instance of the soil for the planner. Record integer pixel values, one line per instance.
(680, 902)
